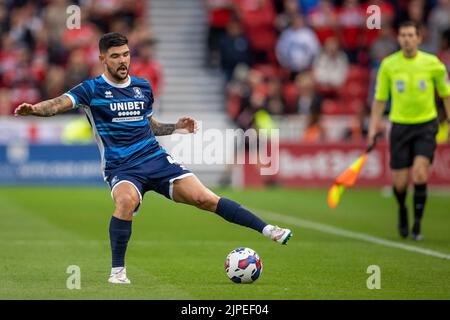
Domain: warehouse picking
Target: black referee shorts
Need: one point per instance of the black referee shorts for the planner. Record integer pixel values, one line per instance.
(410, 140)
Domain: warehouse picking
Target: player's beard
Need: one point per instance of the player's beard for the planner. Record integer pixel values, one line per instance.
(115, 73)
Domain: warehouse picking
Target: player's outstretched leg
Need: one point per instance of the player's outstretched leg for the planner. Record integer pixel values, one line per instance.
(126, 200)
(400, 187)
(191, 191)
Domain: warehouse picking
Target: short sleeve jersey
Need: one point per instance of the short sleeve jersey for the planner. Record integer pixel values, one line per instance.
(118, 114)
(411, 83)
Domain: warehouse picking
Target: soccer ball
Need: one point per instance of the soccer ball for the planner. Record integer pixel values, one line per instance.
(243, 265)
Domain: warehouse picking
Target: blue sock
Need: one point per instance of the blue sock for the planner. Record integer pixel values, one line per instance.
(234, 212)
(119, 234)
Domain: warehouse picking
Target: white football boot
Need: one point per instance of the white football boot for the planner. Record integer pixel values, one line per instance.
(278, 234)
(119, 276)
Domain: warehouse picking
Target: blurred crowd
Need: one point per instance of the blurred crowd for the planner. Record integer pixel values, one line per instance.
(312, 57)
(279, 57)
(40, 57)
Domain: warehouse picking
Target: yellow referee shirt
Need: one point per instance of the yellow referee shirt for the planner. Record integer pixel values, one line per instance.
(411, 82)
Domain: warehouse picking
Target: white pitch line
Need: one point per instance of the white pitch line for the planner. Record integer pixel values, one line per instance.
(350, 234)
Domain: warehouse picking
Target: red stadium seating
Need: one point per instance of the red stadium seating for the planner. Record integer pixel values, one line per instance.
(268, 70)
(290, 94)
(233, 106)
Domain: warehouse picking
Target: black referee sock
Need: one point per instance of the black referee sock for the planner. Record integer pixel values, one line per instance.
(234, 212)
(420, 197)
(400, 196)
(119, 234)
(402, 212)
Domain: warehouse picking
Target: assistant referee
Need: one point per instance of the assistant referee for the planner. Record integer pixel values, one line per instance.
(410, 77)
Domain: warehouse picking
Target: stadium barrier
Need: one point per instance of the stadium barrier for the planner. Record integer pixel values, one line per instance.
(24, 164)
(300, 165)
(317, 165)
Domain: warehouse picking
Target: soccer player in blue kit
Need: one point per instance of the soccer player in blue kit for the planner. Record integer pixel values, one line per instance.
(119, 109)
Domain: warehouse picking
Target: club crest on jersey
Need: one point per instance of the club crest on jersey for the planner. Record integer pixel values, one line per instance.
(138, 92)
(400, 85)
(108, 94)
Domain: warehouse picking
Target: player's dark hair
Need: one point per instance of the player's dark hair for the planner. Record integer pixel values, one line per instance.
(406, 24)
(112, 39)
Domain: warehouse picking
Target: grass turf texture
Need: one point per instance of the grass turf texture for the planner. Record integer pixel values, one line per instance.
(178, 252)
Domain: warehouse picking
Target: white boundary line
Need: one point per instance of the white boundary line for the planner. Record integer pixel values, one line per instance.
(349, 234)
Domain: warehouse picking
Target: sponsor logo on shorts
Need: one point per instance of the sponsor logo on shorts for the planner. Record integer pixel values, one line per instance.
(114, 180)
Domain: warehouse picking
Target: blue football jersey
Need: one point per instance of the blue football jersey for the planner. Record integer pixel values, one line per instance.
(118, 114)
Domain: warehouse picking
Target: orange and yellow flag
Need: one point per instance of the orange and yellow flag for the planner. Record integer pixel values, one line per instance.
(346, 179)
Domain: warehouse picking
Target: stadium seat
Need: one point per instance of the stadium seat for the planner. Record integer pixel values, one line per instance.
(342, 107)
(358, 73)
(330, 107)
(355, 106)
(268, 70)
(354, 90)
(290, 94)
(233, 106)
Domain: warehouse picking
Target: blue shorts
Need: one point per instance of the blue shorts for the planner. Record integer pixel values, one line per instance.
(156, 174)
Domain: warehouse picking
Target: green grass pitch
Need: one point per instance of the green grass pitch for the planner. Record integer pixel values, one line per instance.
(178, 252)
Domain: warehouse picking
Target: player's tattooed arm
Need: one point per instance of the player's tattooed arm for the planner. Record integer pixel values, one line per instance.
(184, 125)
(161, 129)
(45, 108)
